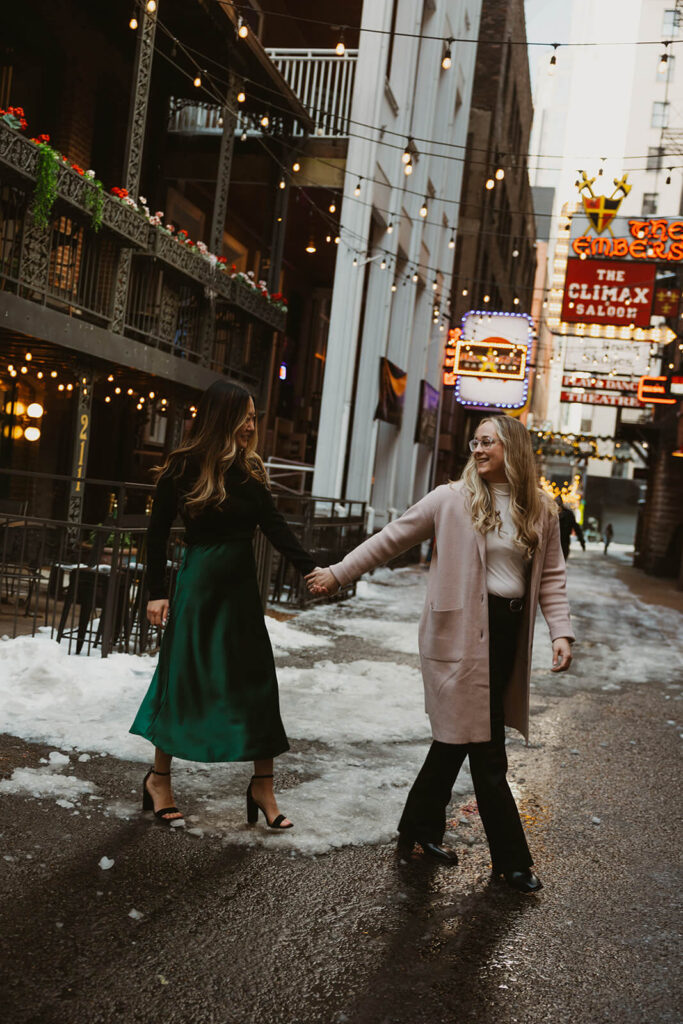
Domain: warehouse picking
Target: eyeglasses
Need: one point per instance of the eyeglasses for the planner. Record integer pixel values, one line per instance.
(481, 442)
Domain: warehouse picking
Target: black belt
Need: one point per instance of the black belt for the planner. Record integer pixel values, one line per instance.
(509, 604)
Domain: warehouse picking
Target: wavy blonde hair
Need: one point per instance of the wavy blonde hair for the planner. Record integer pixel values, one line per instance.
(528, 503)
(211, 447)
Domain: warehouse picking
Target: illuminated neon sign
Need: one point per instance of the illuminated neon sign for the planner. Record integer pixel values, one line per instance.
(655, 391)
(491, 360)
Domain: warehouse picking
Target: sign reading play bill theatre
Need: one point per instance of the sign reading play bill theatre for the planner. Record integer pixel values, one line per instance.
(608, 292)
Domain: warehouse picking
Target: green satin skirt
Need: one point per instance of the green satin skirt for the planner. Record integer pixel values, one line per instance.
(214, 694)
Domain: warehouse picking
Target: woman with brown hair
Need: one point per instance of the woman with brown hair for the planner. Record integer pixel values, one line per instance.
(497, 556)
(214, 695)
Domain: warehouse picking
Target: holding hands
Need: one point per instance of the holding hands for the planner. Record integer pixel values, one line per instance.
(322, 581)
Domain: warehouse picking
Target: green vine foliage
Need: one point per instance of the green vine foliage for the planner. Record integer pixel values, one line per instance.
(94, 200)
(45, 191)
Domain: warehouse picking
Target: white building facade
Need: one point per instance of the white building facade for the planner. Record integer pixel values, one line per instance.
(394, 265)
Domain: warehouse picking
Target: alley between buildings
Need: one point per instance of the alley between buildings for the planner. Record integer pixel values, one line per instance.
(106, 917)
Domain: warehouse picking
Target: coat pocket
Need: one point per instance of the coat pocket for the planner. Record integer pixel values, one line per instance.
(441, 634)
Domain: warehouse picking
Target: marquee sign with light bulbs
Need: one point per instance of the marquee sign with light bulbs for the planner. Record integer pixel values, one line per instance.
(491, 359)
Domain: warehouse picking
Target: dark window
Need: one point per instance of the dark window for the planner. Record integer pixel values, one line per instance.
(392, 33)
(650, 200)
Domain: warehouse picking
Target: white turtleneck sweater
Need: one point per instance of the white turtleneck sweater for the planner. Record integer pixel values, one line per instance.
(505, 563)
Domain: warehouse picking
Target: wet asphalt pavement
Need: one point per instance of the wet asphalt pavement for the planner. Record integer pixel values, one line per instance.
(265, 936)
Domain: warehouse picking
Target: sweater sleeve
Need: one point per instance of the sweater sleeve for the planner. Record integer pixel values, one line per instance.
(415, 525)
(164, 510)
(281, 536)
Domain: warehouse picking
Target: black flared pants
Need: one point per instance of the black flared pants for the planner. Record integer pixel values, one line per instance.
(424, 815)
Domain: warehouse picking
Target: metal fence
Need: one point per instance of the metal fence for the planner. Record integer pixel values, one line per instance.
(85, 585)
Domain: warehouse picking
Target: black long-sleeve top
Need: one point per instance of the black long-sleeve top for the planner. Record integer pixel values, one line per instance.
(248, 504)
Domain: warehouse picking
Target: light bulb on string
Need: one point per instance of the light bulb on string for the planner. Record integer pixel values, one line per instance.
(151, 6)
(447, 60)
(664, 60)
(516, 301)
(553, 60)
(393, 286)
(311, 247)
(357, 189)
(500, 174)
(243, 137)
(241, 96)
(133, 23)
(423, 208)
(390, 227)
(265, 121)
(487, 298)
(242, 28)
(282, 183)
(407, 152)
(416, 277)
(451, 242)
(340, 48)
(332, 207)
(337, 239)
(355, 261)
(515, 253)
(408, 169)
(464, 291)
(197, 81)
(383, 265)
(668, 177)
(296, 166)
(328, 238)
(490, 183)
(435, 284)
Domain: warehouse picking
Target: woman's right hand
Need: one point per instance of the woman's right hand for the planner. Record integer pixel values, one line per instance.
(157, 612)
(322, 581)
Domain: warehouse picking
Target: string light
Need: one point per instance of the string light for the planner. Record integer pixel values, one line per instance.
(311, 247)
(668, 177)
(390, 227)
(28, 357)
(283, 183)
(332, 207)
(553, 60)
(407, 152)
(340, 48)
(451, 242)
(151, 6)
(383, 265)
(446, 60)
(516, 301)
(241, 96)
(296, 166)
(355, 261)
(423, 208)
(500, 174)
(133, 23)
(490, 183)
(53, 373)
(393, 286)
(664, 59)
(242, 29)
(464, 291)
(356, 190)
(408, 168)
(487, 298)
(197, 81)
(265, 121)
(416, 277)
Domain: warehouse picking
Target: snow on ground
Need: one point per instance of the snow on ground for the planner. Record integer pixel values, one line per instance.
(357, 727)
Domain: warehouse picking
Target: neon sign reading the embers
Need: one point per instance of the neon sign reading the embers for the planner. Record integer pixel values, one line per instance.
(656, 241)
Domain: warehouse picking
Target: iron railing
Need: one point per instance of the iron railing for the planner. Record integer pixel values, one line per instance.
(73, 268)
(85, 585)
(322, 81)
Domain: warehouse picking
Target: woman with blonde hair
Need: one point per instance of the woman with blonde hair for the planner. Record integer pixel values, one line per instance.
(214, 695)
(496, 556)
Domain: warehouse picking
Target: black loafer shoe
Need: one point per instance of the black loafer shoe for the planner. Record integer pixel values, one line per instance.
(523, 881)
(433, 850)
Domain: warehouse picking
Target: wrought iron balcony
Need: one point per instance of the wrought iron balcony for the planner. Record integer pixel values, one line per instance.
(321, 79)
(73, 269)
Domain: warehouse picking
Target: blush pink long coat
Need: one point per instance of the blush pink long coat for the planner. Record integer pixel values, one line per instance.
(454, 628)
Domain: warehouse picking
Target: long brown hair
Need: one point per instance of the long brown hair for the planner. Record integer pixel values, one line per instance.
(211, 446)
(527, 501)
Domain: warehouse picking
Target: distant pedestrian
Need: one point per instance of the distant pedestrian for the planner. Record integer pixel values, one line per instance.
(568, 525)
(607, 536)
(497, 555)
(214, 695)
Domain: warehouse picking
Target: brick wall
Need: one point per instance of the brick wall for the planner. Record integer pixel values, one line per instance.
(661, 533)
